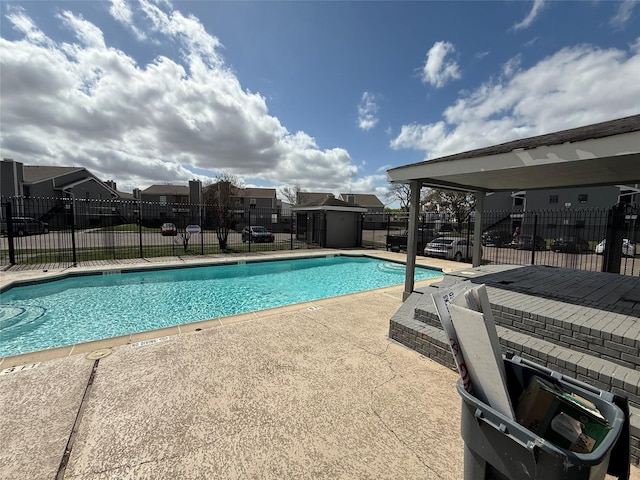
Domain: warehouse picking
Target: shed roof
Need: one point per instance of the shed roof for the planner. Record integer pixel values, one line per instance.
(328, 204)
(606, 153)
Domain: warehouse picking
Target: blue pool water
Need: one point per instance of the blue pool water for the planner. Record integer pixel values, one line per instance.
(83, 308)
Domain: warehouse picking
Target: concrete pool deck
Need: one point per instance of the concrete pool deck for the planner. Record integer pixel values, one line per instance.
(314, 390)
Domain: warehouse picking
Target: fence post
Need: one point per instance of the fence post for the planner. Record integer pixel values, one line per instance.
(615, 232)
(73, 235)
(140, 232)
(388, 231)
(293, 215)
(468, 233)
(12, 250)
(249, 229)
(533, 240)
(323, 238)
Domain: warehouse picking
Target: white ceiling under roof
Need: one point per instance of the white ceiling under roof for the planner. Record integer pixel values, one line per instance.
(607, 153)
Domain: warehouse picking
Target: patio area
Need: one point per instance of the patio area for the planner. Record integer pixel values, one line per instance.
(314, 390)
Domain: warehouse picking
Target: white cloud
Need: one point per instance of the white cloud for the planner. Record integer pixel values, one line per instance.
(537, 7)
(367, 110)
(576, 86)
(624, 13)
(90, 104)
(438, 69)
(88, 34)
(121, 11)
(23, 24)
(512, 65)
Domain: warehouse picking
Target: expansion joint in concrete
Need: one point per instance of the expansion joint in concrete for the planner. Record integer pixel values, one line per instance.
(76, 424)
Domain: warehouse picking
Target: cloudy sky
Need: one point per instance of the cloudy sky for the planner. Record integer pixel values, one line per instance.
(325, 95)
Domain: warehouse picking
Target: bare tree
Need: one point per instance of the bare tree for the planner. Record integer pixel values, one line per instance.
(400, 192)
(221, 197)
(294, 195)
(184, 238)
(291, 194)
(458, 204)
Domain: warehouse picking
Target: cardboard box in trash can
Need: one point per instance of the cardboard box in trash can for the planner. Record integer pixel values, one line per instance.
(566, 420)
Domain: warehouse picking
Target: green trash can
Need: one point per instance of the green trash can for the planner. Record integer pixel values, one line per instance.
(499, 448)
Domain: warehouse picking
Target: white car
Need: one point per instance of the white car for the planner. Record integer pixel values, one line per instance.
(450, 248)
(628, 248)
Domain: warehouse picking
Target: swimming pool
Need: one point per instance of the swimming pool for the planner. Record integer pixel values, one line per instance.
(112, 303)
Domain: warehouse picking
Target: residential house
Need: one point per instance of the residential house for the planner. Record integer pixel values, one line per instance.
(260, 206)
(576, 211)
(19, 180)
(178, 204)
(51, 193)
(374, 218)
(577, 197)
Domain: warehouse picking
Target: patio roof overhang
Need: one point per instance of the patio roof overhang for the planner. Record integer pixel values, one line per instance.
(607, 153)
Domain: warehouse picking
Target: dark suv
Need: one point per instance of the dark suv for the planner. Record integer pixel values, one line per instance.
(570, 245)
(528, 242)
(496, 238)
(24, 226)
(257, 234)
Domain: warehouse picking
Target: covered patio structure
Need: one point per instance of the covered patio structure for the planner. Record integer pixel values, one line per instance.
(606, 153)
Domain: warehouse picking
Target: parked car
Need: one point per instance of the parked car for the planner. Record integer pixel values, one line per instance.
(168, 230)
(398, 242)
(570, 245)
(450, 248)
(24, 226)
(257, 234)
(496, 238)
(628, 248)
(526, 242)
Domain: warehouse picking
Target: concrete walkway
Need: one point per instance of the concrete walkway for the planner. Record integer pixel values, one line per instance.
(313, 391)
(316, 391)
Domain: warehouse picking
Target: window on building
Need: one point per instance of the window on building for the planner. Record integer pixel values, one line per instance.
(518, 201)
(553, 198)
(583, 198)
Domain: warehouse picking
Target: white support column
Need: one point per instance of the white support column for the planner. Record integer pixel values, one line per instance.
(477, 229)
(412, 238)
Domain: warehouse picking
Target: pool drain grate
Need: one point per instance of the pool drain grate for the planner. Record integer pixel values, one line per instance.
(98, 354)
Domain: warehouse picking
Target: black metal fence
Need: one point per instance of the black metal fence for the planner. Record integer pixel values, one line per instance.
(573, 238)
(67, 231)
(570, 238)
